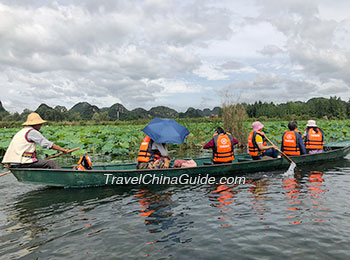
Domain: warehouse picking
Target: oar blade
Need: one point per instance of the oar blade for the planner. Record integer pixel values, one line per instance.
(290, 170)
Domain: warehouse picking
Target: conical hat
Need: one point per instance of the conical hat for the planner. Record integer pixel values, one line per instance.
(34, 119)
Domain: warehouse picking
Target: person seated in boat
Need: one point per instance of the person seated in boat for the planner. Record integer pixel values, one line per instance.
(152, 155)
(21, 151)
(222, 144)
(257, 145)
(313, 138)
(292, 142)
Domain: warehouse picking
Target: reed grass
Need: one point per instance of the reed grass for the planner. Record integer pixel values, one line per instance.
(233, 117)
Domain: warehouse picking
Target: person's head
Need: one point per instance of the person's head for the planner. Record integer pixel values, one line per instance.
(257, 126)
(292, 125)
(311, 123)
(219, 130)
(34, 120)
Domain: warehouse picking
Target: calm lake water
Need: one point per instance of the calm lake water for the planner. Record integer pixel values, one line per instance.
(269, 217)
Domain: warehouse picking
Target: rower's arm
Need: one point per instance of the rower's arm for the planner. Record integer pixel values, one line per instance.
(263, 147)
(58, 148)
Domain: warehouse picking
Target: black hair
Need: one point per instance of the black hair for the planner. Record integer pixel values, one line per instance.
(315, 128)
(219, 130)
(292, 125)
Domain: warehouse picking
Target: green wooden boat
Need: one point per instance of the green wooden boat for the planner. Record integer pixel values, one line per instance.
(102, 175)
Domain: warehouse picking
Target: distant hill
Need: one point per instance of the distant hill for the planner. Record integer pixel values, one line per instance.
(325, 108)
(116, 111)
(85, 110)
(163, 112)
(3, 112)
(48, 113)
(2, 109)
(119, 112)
(193, 113)
(140, 113)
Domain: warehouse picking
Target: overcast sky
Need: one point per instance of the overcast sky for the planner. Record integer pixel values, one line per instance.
(174, 53)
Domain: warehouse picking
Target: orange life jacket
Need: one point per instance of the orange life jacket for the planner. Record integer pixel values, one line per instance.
(145, 152)
(314, 140)
(290, 145)
(84, 163)
(223, 148)
(252, 145)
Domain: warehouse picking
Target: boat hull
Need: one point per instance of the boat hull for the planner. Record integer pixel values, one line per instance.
(98, 176)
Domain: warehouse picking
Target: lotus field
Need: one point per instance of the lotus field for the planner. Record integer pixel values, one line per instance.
(123, 141)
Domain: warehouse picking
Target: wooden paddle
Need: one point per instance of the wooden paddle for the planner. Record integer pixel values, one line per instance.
(3, 174)
(290, 160)
(60, 154)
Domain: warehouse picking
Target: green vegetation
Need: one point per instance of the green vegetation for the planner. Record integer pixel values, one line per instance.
(332, 108)
(116, 131)
(233, 117)
(123, 141)
(85, 114)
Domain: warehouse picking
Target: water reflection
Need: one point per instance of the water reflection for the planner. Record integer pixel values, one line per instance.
(158, 210)
(157, 204)
(259, 191)
(170, 222)
(223, 197)
(232, 200)
(46, 215)
(301, 191)
(317, 194)
(293, 192)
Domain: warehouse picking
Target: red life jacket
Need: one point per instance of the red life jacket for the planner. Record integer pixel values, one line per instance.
(145, 152)
(314, 140)
(223, 148)
(290, 145)
(252, 145)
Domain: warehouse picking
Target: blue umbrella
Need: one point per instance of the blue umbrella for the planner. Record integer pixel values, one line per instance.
(166, 131)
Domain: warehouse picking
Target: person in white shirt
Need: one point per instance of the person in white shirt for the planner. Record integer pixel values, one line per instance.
(21, 151)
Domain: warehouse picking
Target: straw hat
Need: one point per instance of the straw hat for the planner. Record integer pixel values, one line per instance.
(34, 119)
(311, 123)
(257, 126)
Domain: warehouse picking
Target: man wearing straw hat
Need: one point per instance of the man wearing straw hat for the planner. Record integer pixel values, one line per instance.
(21, 151)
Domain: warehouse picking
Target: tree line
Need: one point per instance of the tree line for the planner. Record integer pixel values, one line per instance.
(321, 108)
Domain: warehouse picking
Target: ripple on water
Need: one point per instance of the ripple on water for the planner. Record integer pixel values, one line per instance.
(271, 216)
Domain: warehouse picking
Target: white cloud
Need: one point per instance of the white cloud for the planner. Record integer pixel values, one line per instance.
(271, 50)
(210, 72)
(145, 53)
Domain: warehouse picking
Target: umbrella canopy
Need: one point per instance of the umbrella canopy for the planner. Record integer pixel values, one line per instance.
(166, 131)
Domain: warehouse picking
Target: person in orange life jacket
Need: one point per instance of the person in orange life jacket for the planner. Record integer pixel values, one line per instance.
(292, 142)
(21, 151)
(313, 138)
(257, 143)
(222, 144)
(149, 152)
